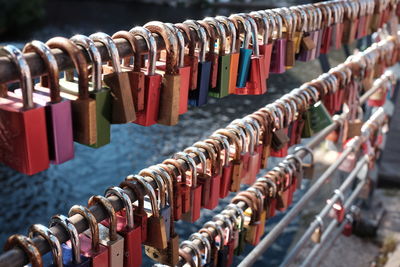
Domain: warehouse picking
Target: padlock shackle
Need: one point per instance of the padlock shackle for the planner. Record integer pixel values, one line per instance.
(73, 234)
(52, 240)
(218, 230)
(241, 134)
(51, 80)
(167, 179)
(192, 166)
(149, 192)
(193, 247)
(91, 221)
(112, 217)
(211, 153)
(95, 57)
(233, 140)
(220, 33)
(118, 192)
(171, 44)
(112, 49)
(181, 43)
(79, 61)
(262, 22)
(254, 33)
(239, 20)
(206, 244)
(151, 46)
(25, 78)
(201, 36)
(202, 157)
(153, 175)
(27, 245)
(230, 27)
(223, 140)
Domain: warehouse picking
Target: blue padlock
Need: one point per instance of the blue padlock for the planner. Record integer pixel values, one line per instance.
(245, 53)
(199, 96)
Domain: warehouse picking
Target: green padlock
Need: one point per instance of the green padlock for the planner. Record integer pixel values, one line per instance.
(224, 61)
(100, 94)
(320, 117)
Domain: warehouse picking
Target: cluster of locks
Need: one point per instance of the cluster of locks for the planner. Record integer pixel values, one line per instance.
(143, 209)
(154, 72)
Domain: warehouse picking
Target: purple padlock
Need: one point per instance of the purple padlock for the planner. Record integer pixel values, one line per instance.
(58, 110)
(278, 55)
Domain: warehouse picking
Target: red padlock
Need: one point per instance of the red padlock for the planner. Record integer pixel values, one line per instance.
(139, 213)
(272, 196)
(215, 170)
(23, 132)
(149, 115)
(179, 188)
(226, 175)
(256, 85)
(90, 243)
(328, 28)
(195, 190)
(184, 70)
(254, 160)
(126, 227)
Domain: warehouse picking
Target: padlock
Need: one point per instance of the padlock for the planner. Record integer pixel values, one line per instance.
(26, 244)
(238, 224)
(224, 60)
(214, 170)
(126, 227)
(244, 54)
(260, 125)
(254, 158)
(301, 22)
(328, 28)
(152, 80)
(289, 180)
(139, 213)
(318, 35)
(233, 234)
(284, 180)
(211, 55)
(184, 70)
(350, 22)
(348, 227)
(23, 134)
(234, 54)
(135, 74)
(90, 240)
(199, 96)
(169, 255)
(195, 190)
(156, 228)
(58, 110)
(278, 54)
(206, 252)
(256, 84)
(254, 213)
(266, 136)
(71, 250)
(99, 93)
(237, 164)
(355, 125)
(54, 258)
(203, 174)
(83, 107)
(268, 27)
(212, 256)
(362, 23)
(308, 168)
(319, 116)
(262, 213)
(351, 160)
(318, 230)
(219, 250)
(272, 196)
(338, 210)
(109, 236)
(338, 26)
(191, 59)
(226, 175)
(244, 135)
(168, 113)
(289, 21)
(164, 206)
(224, 252)
(307, 44)
(122, 106)
(280, 138)
(187, 257)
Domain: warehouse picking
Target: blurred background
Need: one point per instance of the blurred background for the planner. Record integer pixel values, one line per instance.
(25, 200)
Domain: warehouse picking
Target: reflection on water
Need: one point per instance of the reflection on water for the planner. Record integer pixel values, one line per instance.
(26, 200)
